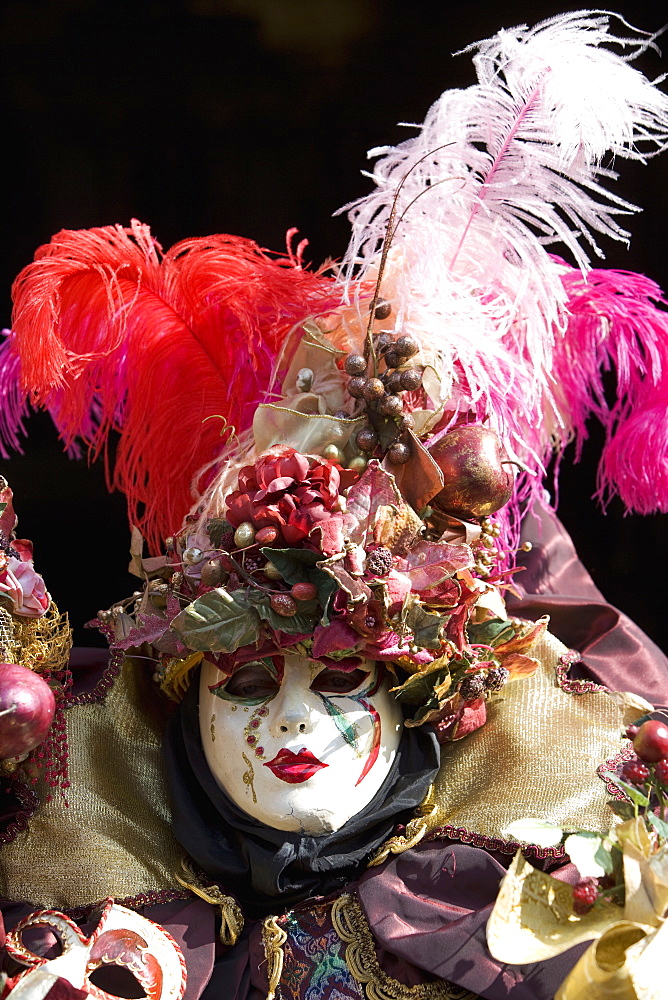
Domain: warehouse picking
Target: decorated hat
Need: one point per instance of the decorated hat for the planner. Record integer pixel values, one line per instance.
(337, 462)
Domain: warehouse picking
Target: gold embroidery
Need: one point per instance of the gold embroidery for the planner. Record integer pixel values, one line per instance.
(232, 919)
(351, 926)
(248, 777)
(273, 939)
(415, 831)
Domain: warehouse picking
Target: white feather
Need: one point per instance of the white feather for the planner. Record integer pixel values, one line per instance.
(498, 173)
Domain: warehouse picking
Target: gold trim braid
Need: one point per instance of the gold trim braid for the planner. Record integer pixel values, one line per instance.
(415, 831)
(231, 917)
(273, 939)
(351, 926)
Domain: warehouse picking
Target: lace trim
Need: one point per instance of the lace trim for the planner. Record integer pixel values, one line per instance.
(351, 926)
(570, 685)
(231, 917)
(273, 939)
(415, 831)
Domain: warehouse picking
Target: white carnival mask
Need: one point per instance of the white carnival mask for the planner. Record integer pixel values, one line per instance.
(298, 745)
(122, 938)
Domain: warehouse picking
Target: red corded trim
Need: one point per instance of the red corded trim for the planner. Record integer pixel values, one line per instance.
(569, 684)
(494, 843)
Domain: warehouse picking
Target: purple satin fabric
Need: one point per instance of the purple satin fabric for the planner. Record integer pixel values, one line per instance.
(430, 906)
(554, 582)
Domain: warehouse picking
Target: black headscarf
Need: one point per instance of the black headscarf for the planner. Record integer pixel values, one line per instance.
(269, 870)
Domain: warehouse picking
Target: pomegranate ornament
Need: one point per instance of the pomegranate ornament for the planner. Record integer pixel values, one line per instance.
(27, 707)
(476, 472)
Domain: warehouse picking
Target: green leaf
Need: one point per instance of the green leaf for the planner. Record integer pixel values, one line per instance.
(659, 825)
(218, 622)
(534, 831)
(634, 794)
(583, 848)
(425, 626)
(622, 809)
(292, 564)
(419, 688)
(304, 621)
(2, 508)
(491, 632)
(603, 857)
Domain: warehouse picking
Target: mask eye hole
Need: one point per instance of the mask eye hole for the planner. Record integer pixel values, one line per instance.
(117, 981)
(332, 681)
(251, 683)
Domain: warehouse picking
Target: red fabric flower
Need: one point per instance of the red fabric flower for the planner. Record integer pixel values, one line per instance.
(292, 493)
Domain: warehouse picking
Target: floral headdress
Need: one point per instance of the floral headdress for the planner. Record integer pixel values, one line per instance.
(367, 507)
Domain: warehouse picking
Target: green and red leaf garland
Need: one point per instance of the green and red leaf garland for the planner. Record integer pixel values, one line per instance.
(343, 576)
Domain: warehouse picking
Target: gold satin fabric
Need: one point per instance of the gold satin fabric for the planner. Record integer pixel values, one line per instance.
(114, 838)
(536, 756)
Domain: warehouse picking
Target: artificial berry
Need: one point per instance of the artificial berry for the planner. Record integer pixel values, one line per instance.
(355, 364)
(284, 605)
(651, 743)
(383, 341)
(585, 893)
(661, 772)
(304, 591)
(379, 561)
(390, 406)
(399, 453)
(366, 439)
(393, 383)
(213, 573)
(635, 772)
(383, 309)
(266, 536)
(411, 379)
(392, 359)
(496, 678)
(406, 347)
(356, 386)
(632, 732)
(342, 415)
(407, 422)
(373, 389)
(472, 687)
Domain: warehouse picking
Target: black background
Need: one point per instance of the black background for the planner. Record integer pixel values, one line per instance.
(249, 116)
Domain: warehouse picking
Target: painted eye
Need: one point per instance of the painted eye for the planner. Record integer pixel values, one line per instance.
(331, 681)
(252, 682)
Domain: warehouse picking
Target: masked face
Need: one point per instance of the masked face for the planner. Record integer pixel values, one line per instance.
(297, 745)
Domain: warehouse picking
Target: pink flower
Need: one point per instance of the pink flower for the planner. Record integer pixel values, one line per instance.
(292, 493)
(23, 586)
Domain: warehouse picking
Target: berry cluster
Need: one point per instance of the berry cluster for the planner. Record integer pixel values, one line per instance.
(649, 769)
(474, 686)
(585, 893)
(380, 391)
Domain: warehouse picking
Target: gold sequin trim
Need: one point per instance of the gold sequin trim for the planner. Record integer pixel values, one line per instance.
(351, 926)
(415, 831)
(273, 939)
(231, 917)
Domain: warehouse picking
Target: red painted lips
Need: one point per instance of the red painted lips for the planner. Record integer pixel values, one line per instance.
(294, 767)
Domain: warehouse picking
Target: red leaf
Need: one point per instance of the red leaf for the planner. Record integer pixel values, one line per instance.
(429, 563)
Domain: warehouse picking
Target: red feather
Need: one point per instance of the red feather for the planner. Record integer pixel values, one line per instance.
(112, 334)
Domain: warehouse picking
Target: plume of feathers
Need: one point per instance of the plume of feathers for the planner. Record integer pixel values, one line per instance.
(110, 334)
(497, 175)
